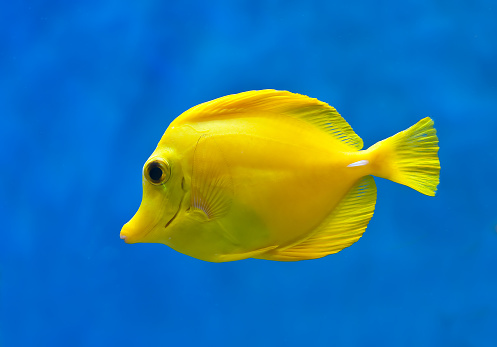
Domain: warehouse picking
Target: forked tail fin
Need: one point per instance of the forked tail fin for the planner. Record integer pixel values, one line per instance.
(410, 157)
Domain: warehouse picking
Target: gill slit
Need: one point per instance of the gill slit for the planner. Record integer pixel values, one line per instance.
(179, 208)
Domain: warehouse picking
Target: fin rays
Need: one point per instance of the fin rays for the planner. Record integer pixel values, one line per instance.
(212, 186)
(339, 230)
(410, 157)
(269, 101)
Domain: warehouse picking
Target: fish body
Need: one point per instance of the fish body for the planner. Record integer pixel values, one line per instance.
(272, 175)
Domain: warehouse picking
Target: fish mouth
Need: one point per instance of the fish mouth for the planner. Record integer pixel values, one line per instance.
(138, 228)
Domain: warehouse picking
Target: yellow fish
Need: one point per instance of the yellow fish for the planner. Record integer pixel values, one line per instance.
(271, 175)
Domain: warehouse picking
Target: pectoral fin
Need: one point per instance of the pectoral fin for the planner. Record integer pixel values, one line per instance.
(212, 185)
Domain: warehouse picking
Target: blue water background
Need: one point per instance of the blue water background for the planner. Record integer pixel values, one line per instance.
(88, 87)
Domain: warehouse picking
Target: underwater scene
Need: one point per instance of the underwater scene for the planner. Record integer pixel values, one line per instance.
(248, 173)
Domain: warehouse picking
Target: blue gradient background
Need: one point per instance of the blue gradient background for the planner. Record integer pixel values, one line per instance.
(88, 87)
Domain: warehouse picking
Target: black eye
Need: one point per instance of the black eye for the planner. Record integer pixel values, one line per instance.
(157, 171)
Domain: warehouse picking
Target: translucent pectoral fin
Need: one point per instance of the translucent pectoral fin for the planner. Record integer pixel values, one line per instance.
(212, 185)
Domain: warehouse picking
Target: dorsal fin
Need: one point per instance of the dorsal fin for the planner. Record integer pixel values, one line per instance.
(344, 226)
(270, 101)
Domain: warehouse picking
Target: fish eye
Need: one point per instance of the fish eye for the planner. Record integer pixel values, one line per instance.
(157, 171)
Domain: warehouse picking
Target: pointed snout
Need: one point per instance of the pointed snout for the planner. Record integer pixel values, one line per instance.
(127, 233)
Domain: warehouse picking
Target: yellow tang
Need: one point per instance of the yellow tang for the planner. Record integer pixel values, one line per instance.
(271, 175)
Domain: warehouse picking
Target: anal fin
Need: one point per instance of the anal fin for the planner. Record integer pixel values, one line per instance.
(344, 226)
(245, 255)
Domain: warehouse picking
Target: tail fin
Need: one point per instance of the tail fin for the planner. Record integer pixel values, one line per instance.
(410, 157)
